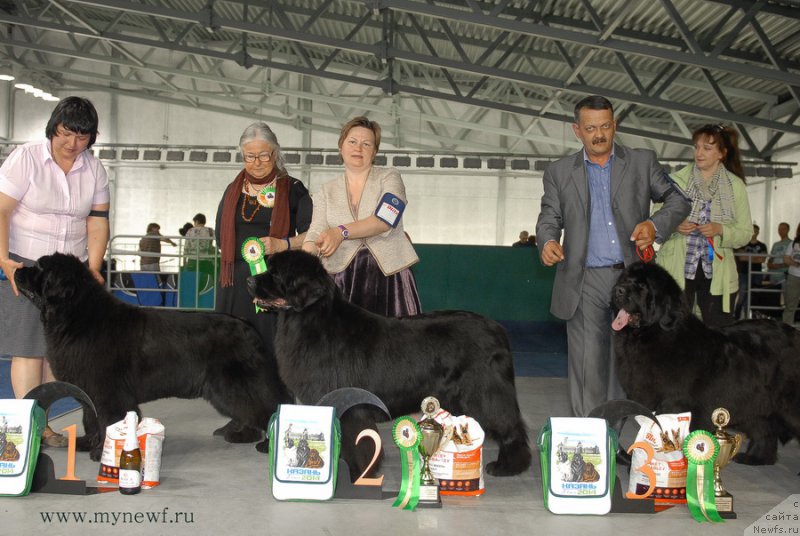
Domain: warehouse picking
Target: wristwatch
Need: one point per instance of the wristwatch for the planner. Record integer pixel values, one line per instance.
(345, 232)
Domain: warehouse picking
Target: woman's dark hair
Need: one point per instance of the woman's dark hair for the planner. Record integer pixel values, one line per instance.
(364, 122)
(593, 102)
(727, 139)
(199, 218)
(186, 226)
(76, 114)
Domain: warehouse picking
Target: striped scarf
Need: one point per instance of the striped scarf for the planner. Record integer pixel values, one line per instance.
(712, 201)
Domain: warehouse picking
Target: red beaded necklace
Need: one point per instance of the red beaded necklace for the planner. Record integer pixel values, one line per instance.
(249, 200)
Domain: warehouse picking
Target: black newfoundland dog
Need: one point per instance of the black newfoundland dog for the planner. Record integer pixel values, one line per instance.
(323, 343)
(122, 355)
(668, 360)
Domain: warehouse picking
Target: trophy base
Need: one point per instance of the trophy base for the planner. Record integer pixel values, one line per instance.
(429, 496)
(724, 506)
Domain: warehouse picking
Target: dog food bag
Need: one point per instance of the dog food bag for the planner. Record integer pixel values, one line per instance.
(150, 434)
(668, 463)
(458, 464)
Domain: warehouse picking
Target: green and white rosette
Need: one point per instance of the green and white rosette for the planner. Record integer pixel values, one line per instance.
(701, 449)
(406, 435)
(253, 253)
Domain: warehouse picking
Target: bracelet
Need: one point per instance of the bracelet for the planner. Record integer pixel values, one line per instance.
(288, 244)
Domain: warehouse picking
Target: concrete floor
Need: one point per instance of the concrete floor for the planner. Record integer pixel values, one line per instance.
(211, 487)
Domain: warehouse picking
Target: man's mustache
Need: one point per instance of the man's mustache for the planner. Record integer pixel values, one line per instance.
(596, 141)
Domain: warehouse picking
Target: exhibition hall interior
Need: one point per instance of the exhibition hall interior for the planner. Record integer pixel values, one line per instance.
(574, 224)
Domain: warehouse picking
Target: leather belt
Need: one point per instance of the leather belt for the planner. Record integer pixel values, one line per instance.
(618, 266)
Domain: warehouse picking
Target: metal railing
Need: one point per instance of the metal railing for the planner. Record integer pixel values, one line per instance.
(185, 279)
(764, 284)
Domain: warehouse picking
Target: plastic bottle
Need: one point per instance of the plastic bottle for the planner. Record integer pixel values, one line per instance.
(130, 459)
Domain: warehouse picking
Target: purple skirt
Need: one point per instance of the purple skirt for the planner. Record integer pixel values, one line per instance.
(364, 284)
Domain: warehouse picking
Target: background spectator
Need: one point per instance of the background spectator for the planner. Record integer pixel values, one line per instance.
(752, 266)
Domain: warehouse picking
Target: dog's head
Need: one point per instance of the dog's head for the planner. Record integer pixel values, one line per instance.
(646, 295)
(54, 280)
(294, 280)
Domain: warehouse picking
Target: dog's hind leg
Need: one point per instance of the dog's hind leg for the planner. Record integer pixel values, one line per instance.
(249, 397)
(760, 452)
(110, 409)
(514, 456)
(492, 401)
(503, 423)
(91, 433)
(245, 434)
(763, 447)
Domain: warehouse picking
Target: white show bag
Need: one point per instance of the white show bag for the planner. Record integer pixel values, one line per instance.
(304, 452)
(21, 425)
(578, 458)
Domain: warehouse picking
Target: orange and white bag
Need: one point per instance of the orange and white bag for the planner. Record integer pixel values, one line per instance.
(458, 464)
(150, 434)
(669, 464)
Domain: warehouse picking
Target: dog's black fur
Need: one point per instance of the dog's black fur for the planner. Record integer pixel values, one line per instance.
(323, 343)
(122, 355)
(668, 360)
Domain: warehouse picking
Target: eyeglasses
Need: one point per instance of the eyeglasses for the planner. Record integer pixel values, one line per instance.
(263, 157)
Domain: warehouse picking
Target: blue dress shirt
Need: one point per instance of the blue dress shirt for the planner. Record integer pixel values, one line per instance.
(604, 247)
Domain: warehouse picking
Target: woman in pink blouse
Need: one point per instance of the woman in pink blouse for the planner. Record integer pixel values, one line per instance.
(54, 197)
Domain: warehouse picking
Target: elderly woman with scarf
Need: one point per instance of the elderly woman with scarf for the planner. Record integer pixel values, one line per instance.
(262, 201)
(699, 255)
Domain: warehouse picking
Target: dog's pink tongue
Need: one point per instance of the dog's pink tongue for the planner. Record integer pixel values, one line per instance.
(621, 321)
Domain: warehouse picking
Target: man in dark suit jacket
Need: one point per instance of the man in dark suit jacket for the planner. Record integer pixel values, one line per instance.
(600, 199)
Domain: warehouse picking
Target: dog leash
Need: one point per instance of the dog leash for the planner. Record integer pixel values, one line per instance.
(647, 254)
(712, 250)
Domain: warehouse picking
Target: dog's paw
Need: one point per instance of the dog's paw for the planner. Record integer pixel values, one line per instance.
(496, 469)
(749, 459)
(231, 426)
(86, 443)
(263, 446)
(245, 435)
(95, 454)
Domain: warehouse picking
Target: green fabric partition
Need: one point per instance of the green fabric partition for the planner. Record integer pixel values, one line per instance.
(503, 283)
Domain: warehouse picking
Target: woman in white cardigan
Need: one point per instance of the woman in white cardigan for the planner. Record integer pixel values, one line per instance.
(357, 227)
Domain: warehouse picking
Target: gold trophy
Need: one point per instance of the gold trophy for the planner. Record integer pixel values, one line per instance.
(432, 433)
(728, 447)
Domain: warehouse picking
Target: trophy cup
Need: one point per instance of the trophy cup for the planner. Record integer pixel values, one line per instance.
(432, 433)
(728, 447)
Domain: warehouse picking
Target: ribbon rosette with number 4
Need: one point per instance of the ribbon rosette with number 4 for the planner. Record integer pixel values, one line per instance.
(406, 435)
(701, 449)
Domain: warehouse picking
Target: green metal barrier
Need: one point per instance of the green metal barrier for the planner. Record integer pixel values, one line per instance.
(502, 283)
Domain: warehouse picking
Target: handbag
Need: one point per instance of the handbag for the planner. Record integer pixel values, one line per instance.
(304, 443)
(21, 425)
(578, 461)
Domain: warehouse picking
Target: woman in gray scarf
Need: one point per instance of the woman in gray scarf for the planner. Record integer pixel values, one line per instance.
(699, 254)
